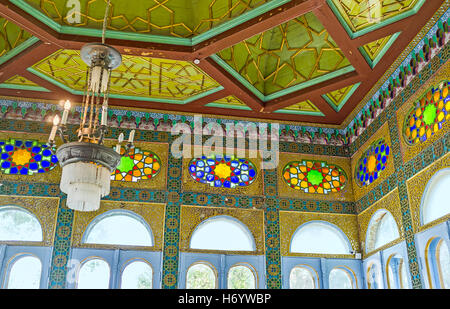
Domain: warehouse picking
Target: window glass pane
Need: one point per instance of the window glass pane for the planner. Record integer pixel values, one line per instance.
(444, 264)
(25, 273)
(18, 224)
(340, 279)
(301, 278)
(387, 230)
(319, 238)
(241, 277)
(435, 203)
(403, 276)
(131, 232)
(210, 235)
(137, 275)
(200, 276)
(94, 274)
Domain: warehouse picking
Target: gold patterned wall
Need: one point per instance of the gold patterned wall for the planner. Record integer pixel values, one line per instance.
(408, 152)
(382, 132)
(255, 188)
(416, 187)
(290, 221)
(52, 176)
(159, 182)
(44, 208)
(389, 202)
(152, 213)
(192, 216)
(285, 191)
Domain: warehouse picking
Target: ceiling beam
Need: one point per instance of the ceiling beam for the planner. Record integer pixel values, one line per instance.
(342, 39)
(19, 63)
(259, 24)
(216, 72)
(410, 31)
(315, 90)
(27, 22)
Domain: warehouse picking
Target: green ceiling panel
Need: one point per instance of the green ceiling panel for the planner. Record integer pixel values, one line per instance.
(171, 18)
(301, 108)
(339, 97)
(137, 77)
(375, 50)
(21, 83)
(288, 57)
(229, 102)
(362, 16)
(13, 39)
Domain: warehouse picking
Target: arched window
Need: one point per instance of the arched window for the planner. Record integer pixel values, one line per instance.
(302, 277)
(381, 230)
(201, 276)
(94, 274)
(137, 275)
(435, 202)
(210, 235)
(319, 237)
(18, 224)
(438, 263)
(373, 277)
(25, 273)
(341, 278)
(241, 277)
(396, 272)
(119, 228)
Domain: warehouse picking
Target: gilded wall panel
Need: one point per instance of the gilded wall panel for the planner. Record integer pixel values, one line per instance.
(346, 194)
(410, 151)
(44, 208)
(52, 176)
(290, 221)
(159, 182)
(382, 132)
(389, 202)
(255, 188)
(192, 216)
(152, 213)
(416, 186)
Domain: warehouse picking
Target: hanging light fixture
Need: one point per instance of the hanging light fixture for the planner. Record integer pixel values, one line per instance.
(86, 163)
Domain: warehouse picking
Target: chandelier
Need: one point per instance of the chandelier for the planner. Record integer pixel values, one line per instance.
(86, 162)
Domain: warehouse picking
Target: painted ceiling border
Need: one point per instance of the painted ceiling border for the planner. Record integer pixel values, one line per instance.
(114, 34)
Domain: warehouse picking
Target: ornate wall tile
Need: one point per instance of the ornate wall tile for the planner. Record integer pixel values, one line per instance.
(416, 187)
(253, 188)
(290, 221)
(192, 216)
(159, 182)
(409, 151)
(284, 190)
(152, 213)
(383, 133)
(390, 202)
(44, 208)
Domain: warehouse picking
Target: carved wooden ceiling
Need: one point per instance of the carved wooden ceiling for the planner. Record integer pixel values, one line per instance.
(307, 61)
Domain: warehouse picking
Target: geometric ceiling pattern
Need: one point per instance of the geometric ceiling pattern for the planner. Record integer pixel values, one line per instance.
(360, 16)
(137, 76)
(298, 52)
(303, 61)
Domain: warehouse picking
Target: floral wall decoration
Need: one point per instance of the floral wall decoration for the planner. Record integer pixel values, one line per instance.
(314, 176)
(222, 171)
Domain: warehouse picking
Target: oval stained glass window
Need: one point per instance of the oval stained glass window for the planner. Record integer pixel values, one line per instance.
(137, 165)
(428, 115)
(19, 157)
(314, 176)
(222, 171)
(372, 163)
